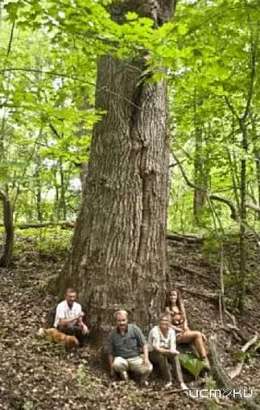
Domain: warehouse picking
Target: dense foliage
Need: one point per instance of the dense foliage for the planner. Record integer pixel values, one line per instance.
(209, 54)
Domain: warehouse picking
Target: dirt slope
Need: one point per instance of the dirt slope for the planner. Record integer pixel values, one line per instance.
(37, 375)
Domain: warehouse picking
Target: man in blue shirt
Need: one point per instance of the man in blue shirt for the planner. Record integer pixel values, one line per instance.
(125, 345)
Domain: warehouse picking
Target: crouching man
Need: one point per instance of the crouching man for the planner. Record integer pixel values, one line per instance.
(162, 347)
(69, 317)
(124, 348)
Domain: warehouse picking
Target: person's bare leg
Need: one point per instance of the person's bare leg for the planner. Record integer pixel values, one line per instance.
(191, 336)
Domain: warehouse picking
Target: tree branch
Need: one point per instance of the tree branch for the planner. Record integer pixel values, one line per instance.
(10, 40)
(51, 73)
(232, 109)
(252, 206)
(253, 47)
(233, 214)
(214, 197)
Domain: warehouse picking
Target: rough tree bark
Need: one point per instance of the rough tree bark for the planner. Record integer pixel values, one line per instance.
(118, 256)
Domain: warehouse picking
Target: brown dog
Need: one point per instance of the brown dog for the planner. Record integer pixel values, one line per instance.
(56, 336)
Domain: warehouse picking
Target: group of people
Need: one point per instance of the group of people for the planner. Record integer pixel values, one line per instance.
(127, 348)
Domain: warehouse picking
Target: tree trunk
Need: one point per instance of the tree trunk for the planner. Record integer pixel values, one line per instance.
(6, 256)
(56, 210)
(200, 179)
(257, 165)
(242, 231)
(118, 256)
(63, 206)
(38, 187)
(257, 160)
(200, 167)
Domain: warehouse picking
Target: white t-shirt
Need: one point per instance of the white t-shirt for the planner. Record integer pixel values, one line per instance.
(63, 311)
(156, 339)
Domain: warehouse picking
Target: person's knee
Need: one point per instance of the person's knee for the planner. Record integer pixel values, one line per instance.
(149, 368)
(198, 335)
(119, 364)
(68, 328)
(145, 369)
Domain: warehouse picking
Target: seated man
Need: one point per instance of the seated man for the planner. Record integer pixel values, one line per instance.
(162, 346)
(124, 349)
(68, 317)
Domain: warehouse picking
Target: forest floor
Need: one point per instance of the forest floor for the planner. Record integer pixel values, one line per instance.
(36, 375)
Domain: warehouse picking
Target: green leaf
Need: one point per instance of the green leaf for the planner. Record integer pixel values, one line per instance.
(182, 28)
(131, 16)
(191, 363)
(11, 9)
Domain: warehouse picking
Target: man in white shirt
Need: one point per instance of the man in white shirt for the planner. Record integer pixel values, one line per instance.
(69, 317)
(162, 347)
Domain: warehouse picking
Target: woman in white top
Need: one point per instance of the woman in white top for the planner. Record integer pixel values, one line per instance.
(162, 347)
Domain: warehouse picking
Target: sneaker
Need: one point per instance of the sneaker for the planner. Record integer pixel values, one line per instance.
(144, 383)
(183, 386)
(168, 385)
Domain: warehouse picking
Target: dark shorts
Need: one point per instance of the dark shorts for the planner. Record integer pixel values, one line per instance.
(73, 330)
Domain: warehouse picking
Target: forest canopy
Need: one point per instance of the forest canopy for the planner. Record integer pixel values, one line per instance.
(208, 53)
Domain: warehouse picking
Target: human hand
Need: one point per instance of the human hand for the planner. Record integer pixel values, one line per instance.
(204, 337)
(79, 317)
(85, 329)
(178, 329)
(147, 362)
(174, 351)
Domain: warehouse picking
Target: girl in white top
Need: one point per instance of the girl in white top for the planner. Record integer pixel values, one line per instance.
(162, 338)
(162, 347)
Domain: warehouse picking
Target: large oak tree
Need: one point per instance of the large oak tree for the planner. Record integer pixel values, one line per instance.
(118, 256)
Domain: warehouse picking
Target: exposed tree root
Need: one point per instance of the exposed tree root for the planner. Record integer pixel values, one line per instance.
(238, 368)
(224, 380)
